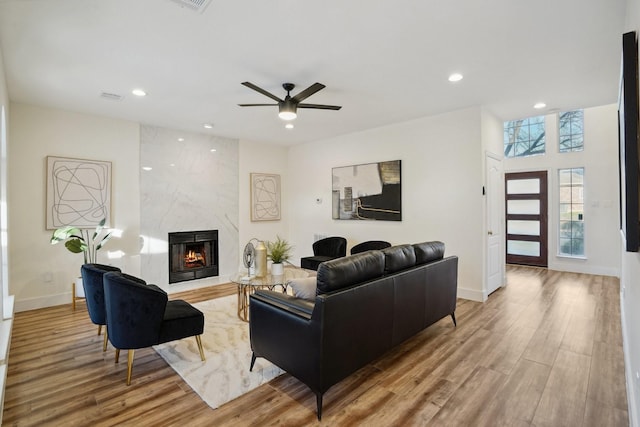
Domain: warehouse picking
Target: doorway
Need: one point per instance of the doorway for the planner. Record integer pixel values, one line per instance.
(526, 201)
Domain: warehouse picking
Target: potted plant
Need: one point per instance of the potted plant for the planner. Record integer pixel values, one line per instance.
(81, 240)
(278, 252)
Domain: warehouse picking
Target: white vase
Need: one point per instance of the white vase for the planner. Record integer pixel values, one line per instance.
(277, 269)
(79, 288)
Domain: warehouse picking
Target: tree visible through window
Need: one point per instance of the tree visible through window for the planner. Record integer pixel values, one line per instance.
(571, 197)
(524, 137)
(570, 131)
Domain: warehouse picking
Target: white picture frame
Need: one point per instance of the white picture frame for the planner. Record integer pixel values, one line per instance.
(265, 197)
(78, 192)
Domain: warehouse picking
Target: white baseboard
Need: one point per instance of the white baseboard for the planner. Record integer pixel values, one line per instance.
(628, 372)
(471, 294)
(42, 302)
(65, 298)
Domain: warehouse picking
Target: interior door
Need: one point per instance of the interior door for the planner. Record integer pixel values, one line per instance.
(526, 214)
(494, 226)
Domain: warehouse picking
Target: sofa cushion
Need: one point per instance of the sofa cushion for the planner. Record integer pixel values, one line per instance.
(399, 257)
(348, 271)
(304, 287)
(428, 251)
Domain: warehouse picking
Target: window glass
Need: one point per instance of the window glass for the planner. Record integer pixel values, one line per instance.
(525, 137)
(571, 210)
(571, 131)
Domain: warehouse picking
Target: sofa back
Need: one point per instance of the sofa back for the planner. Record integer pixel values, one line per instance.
(352, 270)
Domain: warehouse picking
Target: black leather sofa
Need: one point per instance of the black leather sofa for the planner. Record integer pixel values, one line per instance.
(365, 305)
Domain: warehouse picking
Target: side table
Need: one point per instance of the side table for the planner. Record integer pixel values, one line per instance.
(249, 284)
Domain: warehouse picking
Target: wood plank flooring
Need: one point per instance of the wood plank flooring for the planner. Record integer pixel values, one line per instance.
(546, 350)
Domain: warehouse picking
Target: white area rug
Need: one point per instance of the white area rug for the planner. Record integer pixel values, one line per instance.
(225, 374)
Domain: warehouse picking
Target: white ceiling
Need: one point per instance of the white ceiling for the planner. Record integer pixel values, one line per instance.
(383, 61)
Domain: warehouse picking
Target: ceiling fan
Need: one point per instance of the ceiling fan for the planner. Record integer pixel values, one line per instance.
(289, 105)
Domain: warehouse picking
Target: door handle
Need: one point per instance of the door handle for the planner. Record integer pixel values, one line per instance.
(490, 233)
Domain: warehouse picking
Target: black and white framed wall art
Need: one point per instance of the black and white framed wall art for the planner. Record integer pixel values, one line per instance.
(370, 191)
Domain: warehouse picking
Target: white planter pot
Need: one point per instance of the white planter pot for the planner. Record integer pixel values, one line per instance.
(79, 288)
(277, 269)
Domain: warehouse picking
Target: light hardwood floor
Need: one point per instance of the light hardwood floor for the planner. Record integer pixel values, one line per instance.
(544, 351)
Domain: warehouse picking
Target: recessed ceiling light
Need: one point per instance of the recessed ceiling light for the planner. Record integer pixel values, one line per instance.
(208, 126)
(539, 105)
(139, 92)
(289, 125)
(213, 150)
(146, 168)
(180, 139)
(455, 77)
(172, 164)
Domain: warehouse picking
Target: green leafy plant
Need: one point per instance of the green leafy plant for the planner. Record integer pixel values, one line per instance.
(279, 251)
(80, 240)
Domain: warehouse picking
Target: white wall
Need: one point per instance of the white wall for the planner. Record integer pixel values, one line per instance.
(41, 274)
(601, 210)
(630, 287)
(263, 158)
(6, 302)
(442, 183)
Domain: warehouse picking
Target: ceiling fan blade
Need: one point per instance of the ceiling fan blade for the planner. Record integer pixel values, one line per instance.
(262, 91)
(256, 105)
(308, 92)
(320, 106)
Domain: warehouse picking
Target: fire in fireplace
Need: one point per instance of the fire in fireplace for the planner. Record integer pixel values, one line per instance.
(193, 255)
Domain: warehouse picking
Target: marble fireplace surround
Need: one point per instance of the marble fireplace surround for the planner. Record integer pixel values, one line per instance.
(189, 187)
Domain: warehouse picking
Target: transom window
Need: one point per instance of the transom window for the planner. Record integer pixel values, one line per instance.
(571, 131)
(525, 137)
(571, 197)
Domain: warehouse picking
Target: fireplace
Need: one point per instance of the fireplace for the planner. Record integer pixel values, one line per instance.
(193, 255)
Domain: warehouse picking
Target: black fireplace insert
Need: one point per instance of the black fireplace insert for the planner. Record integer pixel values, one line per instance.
(193, 255)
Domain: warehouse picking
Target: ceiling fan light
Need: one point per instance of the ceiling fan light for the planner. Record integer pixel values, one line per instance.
(287, 110)
(287, 115)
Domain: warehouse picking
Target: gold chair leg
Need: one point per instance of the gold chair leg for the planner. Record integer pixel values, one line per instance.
(73, 295)
(104, 345)
(129, 366)
(99, 329)
(117, 355)
(199, 341)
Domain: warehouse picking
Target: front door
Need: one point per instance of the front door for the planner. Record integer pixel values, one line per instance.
(526, 214)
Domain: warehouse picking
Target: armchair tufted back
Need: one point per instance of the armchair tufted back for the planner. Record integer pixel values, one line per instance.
(134, 311)
(94, 290)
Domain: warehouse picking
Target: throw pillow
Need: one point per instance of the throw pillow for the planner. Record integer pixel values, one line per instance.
(304, 288)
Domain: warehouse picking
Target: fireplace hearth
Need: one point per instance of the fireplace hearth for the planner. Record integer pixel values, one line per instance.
(193, 255)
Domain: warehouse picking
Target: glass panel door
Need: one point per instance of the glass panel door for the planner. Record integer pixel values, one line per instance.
(526, 214)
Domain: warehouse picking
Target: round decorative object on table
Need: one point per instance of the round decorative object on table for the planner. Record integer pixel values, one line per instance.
(249, 284)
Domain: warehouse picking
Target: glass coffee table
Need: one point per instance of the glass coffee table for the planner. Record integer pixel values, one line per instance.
(249, 284)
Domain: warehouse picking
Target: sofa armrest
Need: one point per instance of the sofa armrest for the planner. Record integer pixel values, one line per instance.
(298, 306)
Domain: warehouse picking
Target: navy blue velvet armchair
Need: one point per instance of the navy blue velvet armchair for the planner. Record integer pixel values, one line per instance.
(94, 295)
(140, 315)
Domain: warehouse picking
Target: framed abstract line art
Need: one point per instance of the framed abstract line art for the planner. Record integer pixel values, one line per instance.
(371, 191)
(78, 192)
(265, 197)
